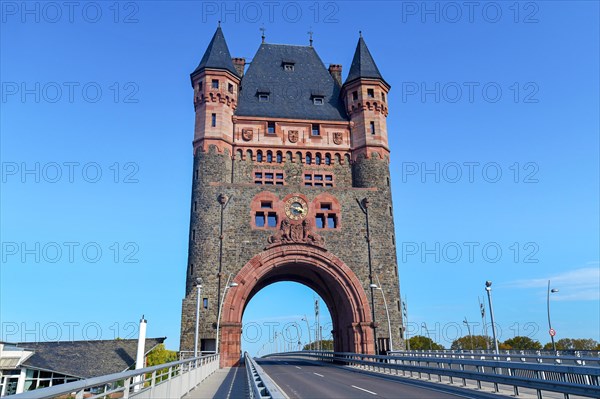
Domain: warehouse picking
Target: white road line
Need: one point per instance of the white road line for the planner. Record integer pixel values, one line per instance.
(362, 389)
(320, 375)
(299, 368)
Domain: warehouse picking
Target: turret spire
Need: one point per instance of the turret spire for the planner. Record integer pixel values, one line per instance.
(363, 65)
(217, 54)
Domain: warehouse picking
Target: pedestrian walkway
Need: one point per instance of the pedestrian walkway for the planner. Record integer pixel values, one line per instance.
(226, 383)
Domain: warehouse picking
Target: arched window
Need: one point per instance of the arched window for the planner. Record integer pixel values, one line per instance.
(279, 157)
(338, 159)
(327, 159)
(259, 157)
(269, 156)
(249, 154)
(239, 155)
(318, 158)
(308, 158)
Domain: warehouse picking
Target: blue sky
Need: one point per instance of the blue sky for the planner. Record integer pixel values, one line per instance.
(493, 125)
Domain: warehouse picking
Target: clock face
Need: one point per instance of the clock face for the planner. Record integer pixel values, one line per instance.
(296, 208)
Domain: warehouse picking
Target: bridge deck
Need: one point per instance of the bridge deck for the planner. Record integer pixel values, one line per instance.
(227, 383)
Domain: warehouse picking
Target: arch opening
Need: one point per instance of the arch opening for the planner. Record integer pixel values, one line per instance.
(314, 267)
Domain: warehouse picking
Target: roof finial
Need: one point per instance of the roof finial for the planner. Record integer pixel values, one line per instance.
(219, 24)
(360, 33)
(262, 29)
(310, 33)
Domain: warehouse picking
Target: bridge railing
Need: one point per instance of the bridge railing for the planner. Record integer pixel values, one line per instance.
(169, 380)
(260, 385)
(576, 379)
(572, 358)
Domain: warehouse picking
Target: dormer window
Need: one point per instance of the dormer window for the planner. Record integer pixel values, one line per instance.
(288, 65)
(318, 97)
(263, 95)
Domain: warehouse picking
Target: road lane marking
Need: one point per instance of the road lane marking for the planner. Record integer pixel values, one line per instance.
(320, 375)
(362, 389)
(299, 368)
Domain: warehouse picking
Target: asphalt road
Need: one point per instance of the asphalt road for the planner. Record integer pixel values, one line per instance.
(299, 379)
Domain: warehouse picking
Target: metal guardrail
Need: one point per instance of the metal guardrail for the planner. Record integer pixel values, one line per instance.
(170, 380)
(260, 385)
(579, 380)
(514, 356)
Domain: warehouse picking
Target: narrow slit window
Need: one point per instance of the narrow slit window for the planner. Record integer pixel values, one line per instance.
(214, 120)
(316, 131)
(331, 222)
(205, 303)
(372, 127)
(320, 221)
(272, 219)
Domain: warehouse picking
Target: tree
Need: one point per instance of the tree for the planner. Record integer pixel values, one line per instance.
(326, 345)
(469, 342)
(160, 355)
(574, 344)
(420, 342)
(521, 343)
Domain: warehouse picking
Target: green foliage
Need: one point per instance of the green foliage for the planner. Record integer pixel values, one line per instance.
(326, 345)
(469, 342)
(160, 355)
(521, 343)
(574, 344)
(420, 342)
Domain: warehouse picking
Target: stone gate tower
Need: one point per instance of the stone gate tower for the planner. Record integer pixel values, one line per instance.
(291, 182)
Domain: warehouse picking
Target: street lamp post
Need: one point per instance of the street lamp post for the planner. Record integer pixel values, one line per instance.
(199, 292)
(550, 330)
(485, 333)
(308, 327)
(488, 288)
(227, 286)
(469, 330)
(428, 336)
(387, 312)
(404, 323)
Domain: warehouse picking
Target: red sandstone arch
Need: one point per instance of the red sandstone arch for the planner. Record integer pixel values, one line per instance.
(315, 267)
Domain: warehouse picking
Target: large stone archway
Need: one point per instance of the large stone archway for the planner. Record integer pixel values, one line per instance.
(314, 267)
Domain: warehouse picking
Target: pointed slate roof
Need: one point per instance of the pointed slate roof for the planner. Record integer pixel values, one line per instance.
(291, 93)
(363, 65)
(217, 55)
(85, 359)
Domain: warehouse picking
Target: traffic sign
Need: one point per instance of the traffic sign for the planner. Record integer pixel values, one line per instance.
(552, 332)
